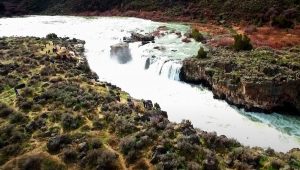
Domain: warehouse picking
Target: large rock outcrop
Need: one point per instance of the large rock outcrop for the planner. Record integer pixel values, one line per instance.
(135, 37)
(121, 53)
(253, 83)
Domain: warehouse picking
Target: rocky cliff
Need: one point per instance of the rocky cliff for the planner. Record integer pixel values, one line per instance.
(259, 80)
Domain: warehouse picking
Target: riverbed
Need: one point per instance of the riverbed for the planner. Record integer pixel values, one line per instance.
(160, 83)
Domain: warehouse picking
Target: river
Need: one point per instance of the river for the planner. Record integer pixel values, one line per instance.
(160, 83)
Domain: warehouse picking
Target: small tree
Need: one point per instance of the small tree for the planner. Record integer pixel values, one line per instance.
(197, 35)
(51, 36)
(242, 42)
(202, 53)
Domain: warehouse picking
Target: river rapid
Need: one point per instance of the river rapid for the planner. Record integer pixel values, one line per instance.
(160, 83)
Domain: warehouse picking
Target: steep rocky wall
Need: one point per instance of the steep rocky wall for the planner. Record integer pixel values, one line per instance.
(267, 96)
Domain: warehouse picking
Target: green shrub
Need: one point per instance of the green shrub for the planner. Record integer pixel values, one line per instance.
(197, 35)
(95, 143)
(124, 127)
(27, 92)
(70, 155)
(39, 161)
(24, 104)
(71, 95)
(18, 118)
(48, 71)
(186, 147)
(70, 122)
(98, 124)
(51, 36)
(100, 159)
(50, 164)
(11, 149)
(242, 42)
(127, 144)
(4, 112)
(282, 22)
(129, 148)
(202, 53)
(32, 162)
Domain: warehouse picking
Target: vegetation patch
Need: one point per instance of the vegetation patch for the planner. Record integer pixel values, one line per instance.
(61, 117)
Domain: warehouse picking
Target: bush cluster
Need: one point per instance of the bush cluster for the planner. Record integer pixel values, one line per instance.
(71, 95)
(24, 103)
(70, 122)
(40, 161)
(12, 138)
(56, 143)
(70, 155)
(5, 110)
(282, 22)
(197, 35)
(100, 159)
(242, 42)
(51, 36)
(124, 126)
(129, 148)
(202, 53)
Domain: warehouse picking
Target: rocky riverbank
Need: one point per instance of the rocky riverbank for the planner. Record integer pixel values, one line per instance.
(55, 114)
(263, 79)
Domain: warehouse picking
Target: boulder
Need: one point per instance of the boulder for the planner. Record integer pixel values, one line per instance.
(55, 144)
(141, 37)
(121, 53)
(135, 37)
(186, 40)
(83, 147)
(147, 64)
(148, 104)
(20, 86)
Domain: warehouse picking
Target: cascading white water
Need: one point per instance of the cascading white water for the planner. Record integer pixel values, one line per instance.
(180, 100)
(171, 70)
(166, 68)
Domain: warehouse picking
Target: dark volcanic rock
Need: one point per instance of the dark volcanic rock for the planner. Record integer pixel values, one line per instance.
(121, 53)
(242, 85)
(139, 37)
(56, 143)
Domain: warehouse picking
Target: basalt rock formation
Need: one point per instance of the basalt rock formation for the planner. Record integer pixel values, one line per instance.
(121, 53)
(139, 37)
(259, 80)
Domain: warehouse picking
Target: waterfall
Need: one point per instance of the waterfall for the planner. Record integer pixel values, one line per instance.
(171, 70)
(167, 68)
